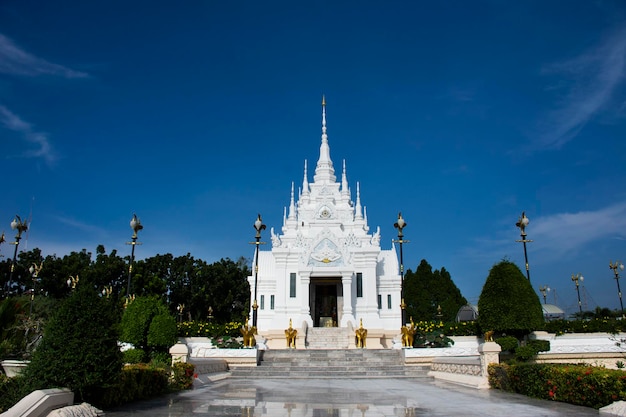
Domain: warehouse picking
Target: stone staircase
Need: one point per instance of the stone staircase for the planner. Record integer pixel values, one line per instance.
(331, 364)
(328, 338)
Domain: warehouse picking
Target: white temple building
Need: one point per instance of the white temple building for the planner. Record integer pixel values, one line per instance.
(325, 268)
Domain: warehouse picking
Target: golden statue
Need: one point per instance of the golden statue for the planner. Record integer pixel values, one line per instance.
(407, 334)
(248, 333)
(489, 336)
(291, 334)
(361, 336)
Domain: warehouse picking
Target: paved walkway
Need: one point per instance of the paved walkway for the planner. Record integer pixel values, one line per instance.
(345, 398)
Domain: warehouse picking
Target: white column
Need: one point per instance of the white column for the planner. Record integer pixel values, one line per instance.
(348, 300)
(305, 306)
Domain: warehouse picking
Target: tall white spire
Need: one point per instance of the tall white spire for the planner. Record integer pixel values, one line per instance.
(292, 205)
(305, 181)
(358, 215)
(345, 192)
(324, 171)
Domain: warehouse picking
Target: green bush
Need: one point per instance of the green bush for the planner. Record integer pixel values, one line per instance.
(508, 304)
(507, 343)
(147, 325)
(574, 384)
(182, 376)
(79, 349)
(136, 382)
(160, 359)
(132, 356)
(162, 331)
(12, 390)
(607, 325)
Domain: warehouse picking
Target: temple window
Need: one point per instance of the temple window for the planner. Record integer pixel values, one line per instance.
(292, 285)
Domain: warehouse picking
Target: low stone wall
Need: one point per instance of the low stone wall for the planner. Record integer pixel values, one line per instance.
(464, 346)
(597, 349)
(196, 349)
(466, 370)
(41, 402)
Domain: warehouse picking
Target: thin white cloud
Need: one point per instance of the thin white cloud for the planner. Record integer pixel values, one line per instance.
(16, 61)
(42, 147)
(83, 227)
(590, 80)
(566, 232)
(558, 235)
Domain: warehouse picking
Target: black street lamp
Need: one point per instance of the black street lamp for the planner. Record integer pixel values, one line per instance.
(522, 223)
(544, 289)
(258, 226)
(136, 225)
(576, 278)
(34, 273)
(615, 266)
(21, 227)
(400, 225)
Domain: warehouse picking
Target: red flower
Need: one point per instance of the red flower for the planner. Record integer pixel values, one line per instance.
(195, 375)
(551, 394)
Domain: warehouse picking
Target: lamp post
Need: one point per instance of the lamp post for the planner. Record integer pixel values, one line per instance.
(180, 308)
(21, 227)
(576, 278)
(544, 289)
(400, 225)
(34, 273)
(522, 223)
(258, 226)
(615, 266)
(136, 225)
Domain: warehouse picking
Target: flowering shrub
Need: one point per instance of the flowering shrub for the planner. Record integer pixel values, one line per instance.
(434, 339)
(465, 328)
(227, 342)
(182, 376)
(584, 385)
(207, 329)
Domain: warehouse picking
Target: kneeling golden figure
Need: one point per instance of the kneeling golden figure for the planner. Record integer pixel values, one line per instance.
(407, 334)
(248, 333)
(361, 336)
(290, 335)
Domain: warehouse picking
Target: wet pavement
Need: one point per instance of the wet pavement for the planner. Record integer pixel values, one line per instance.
(345, 398)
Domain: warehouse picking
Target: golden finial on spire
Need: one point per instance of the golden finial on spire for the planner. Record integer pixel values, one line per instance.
(323, 100)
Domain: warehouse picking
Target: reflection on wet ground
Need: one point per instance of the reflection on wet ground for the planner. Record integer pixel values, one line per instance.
(345, 398)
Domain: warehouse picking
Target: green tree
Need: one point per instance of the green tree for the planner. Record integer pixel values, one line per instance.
(148, 325)
(508, 304)
(431, 295)
(79, 349)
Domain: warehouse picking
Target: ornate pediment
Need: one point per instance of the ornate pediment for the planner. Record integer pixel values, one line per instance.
(324, 250)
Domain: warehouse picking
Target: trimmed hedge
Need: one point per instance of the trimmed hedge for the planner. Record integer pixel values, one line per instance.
(584, 385)
(137, 382)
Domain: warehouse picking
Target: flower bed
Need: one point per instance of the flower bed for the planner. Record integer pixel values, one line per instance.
(584, 385)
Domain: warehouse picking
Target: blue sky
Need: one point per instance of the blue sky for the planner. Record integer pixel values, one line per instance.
(199, 115)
